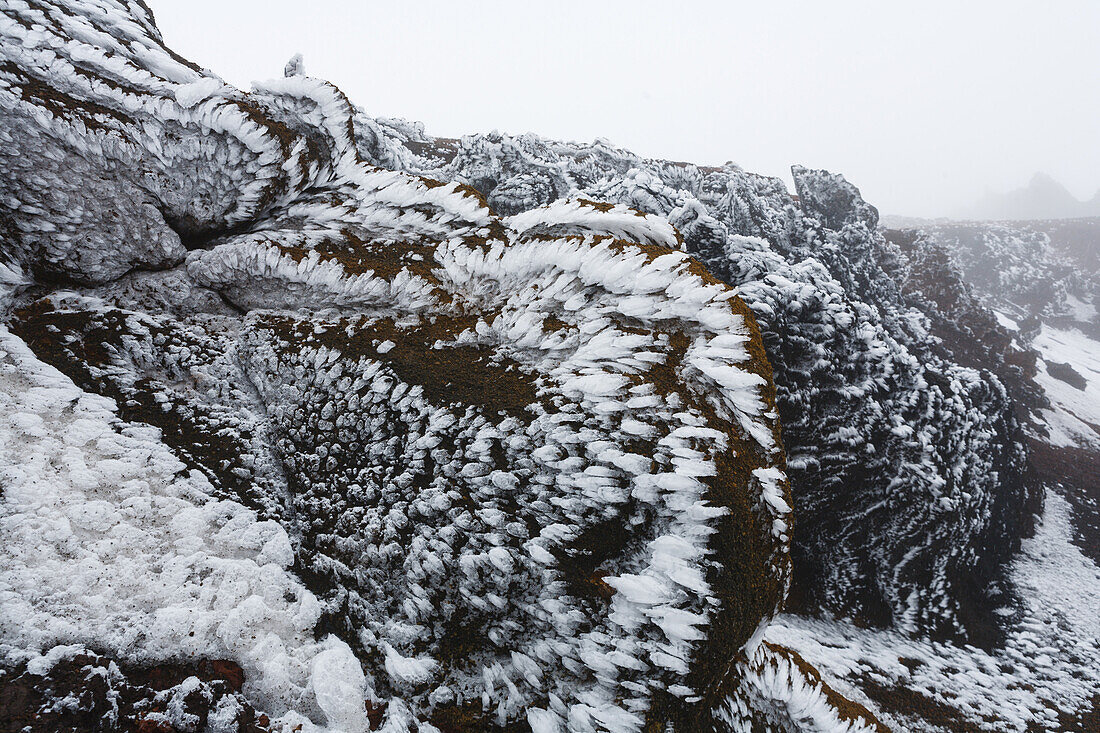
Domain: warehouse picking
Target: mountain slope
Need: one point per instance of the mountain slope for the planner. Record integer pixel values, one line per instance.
(381, 456)
(321, 422)
(1042, 198)
(1042, 269)
(908, 470)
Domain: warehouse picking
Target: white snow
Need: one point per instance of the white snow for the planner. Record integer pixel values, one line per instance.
(188, 95)
(1050, 660)
(1009, 323)
(1075, 417)
(780, 691)
(1080, 310)
(618, 221)
(110, 543)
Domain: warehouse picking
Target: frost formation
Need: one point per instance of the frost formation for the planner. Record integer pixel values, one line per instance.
(905, 455)
(402, 461)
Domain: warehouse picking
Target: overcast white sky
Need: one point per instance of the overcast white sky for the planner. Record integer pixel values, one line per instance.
(924, 105)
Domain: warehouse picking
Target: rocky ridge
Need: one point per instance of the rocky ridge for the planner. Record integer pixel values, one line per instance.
(1030, 270)
(485, 433)
(907, 460)
(402, 461)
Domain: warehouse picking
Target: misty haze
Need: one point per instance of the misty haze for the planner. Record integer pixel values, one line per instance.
(509, 367)
(927, 109)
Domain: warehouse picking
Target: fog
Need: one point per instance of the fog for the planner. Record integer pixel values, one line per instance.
(925, 107)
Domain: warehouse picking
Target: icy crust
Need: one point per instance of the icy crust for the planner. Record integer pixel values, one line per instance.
(639, 349)
(908, 468)
(101, 165)
(529, 470)
(111, 542)
(184, 378)
(616, 220)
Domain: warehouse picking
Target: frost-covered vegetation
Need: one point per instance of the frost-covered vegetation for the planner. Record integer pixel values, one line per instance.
(401, 461)
(311, 421)
(906, 461)
(1046, 269)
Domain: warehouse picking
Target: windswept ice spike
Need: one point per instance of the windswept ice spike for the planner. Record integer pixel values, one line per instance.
(898, 419)
(494, 471)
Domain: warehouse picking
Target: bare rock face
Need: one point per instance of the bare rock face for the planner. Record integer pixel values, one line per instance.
(413, 463)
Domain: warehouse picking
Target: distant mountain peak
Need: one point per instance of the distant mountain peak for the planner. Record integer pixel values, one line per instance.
(1042, 198)
(1045, 183)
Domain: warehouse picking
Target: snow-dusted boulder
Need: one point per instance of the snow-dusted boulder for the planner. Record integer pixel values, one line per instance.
(118, 154)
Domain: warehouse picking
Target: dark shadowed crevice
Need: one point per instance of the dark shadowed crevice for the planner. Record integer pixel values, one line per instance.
(194, 234)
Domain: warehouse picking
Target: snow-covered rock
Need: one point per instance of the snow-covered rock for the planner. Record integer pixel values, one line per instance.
(312, 419)
(906, 462)
(403, 461)
(1047, 269)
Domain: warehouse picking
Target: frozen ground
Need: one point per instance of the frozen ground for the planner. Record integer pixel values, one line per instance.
(1076, 415)
(532, 464)
(1049, 663)
(111, 543)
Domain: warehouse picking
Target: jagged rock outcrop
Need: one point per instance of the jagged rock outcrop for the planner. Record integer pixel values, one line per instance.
(906, 461)
(965, 328)
(403, 461)
(1041, 276)
(474, 434)
(1046, 269)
